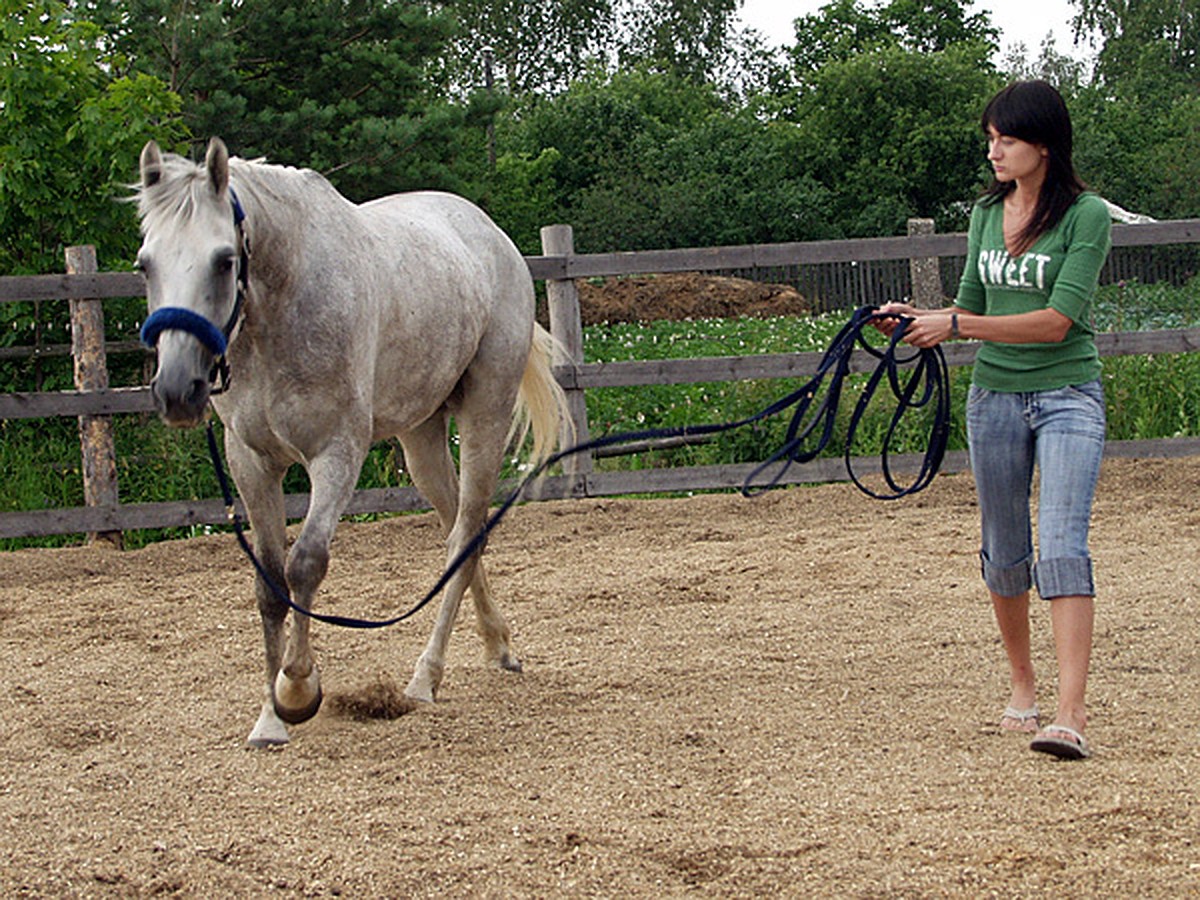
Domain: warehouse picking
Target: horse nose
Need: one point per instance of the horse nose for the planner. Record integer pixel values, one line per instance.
(180, 406)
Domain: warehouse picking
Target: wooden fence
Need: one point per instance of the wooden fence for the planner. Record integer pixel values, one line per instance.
(558, 266)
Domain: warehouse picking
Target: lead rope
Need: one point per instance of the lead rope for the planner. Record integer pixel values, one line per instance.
(929, 382)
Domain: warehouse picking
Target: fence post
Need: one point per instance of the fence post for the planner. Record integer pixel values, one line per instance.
(91, 373)
(926, 273)
(566, 324)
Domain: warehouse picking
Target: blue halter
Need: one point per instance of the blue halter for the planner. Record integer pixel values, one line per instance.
(176, 318)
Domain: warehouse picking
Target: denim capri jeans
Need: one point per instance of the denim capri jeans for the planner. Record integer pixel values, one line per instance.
(1062, 432)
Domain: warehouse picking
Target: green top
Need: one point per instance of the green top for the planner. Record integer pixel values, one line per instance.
(1059, 271)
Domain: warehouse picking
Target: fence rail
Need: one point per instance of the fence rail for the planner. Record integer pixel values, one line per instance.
(559, 266)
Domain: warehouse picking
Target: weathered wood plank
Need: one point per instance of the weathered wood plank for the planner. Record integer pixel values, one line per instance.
(78, 520)
(48, 351)
(1177, 231)
(1158, 448)
(629, 373)
(75, 403)
(632, 373)
(91, 374)
(698, 478)
(1130, 343)
(585, 265)
(588, 265)
(15, 288)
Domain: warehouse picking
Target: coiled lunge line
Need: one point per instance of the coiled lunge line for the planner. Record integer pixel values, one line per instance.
(927, 385)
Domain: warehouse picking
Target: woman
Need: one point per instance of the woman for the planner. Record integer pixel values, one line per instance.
(1036, 243)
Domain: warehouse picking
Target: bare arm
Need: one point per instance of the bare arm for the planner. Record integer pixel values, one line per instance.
(932, 326)
(1041, 326)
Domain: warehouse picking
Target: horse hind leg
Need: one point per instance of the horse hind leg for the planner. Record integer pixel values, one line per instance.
(491, 624)
(427, 455)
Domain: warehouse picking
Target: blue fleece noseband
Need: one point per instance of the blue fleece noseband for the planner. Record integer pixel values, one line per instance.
(178, 318)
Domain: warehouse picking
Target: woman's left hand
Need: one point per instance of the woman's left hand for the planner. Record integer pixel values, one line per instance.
(929, 330)
(890, 313)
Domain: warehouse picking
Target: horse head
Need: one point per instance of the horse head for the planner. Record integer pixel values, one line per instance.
(193, 257)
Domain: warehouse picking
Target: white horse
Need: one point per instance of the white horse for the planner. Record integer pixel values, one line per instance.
(353, 323)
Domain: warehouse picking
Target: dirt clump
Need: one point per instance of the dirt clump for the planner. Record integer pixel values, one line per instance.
(685, 295)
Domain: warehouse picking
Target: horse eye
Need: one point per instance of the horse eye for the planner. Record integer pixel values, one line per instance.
(224, 265)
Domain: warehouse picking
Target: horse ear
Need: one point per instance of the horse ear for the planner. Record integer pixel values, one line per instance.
(151, 164)
(217, 163)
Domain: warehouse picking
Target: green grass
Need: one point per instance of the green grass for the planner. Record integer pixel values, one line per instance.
(1148, 397)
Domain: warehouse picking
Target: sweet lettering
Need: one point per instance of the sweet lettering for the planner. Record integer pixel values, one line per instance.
(1027, 271)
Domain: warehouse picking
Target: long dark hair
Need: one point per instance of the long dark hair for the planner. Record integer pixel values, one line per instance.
(1033, 111)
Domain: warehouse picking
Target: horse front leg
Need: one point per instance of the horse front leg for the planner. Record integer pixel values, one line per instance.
(297, 683)
(260, 486)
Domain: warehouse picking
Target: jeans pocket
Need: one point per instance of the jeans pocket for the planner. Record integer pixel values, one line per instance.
(976, 395)
(1093, 390)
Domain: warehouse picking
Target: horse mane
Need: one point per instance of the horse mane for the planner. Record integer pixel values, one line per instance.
(183, 184)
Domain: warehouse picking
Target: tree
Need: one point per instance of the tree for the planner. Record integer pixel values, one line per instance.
(603, 131)
(887, 100)
(842, 29)
(538, 46)
(1137, 121)
(894, 134)
(644, 160)
(520, 196)
(1066, 73)
(70, 134)
(931, 26)
(734, 179)
(689, 39)
(1164, 31)
(543, 46)
(348, 89)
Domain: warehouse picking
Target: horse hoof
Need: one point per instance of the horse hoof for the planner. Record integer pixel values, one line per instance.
(297, 714)
(268, 731)
(420, 689)
(418, 692)
(297, 699)
(425, 681)
(266, 743)
(510, 663)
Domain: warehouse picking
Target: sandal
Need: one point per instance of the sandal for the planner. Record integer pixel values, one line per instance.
(1026, 719)
(1071, 744)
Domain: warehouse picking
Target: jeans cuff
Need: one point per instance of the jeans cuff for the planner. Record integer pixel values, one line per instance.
(1069, 576)
(1007, 581)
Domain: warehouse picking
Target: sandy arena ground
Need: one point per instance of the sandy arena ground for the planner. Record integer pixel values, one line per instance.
(794, 695)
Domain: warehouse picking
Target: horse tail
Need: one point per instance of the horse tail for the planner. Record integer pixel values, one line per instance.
(541, 403)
